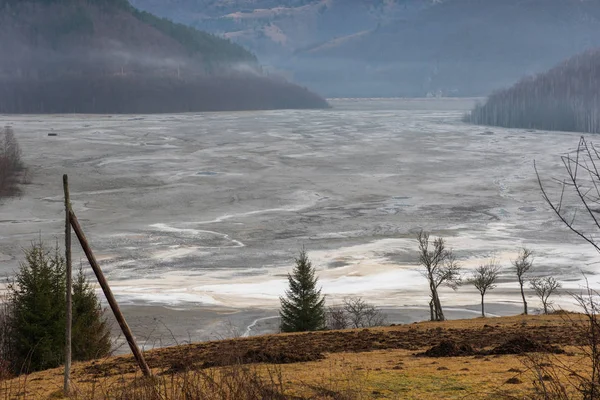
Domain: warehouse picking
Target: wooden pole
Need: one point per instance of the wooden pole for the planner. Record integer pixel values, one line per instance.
(109, 296)
(69, 286)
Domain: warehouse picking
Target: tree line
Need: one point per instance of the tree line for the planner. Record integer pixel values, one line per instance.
(566, 98)
(11, 165)
(114, 94)
(303, 307)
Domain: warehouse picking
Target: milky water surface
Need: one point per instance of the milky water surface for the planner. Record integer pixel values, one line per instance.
(211, 208)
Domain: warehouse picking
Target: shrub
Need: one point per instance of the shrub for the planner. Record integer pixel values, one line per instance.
(10, 162)
(354, 313)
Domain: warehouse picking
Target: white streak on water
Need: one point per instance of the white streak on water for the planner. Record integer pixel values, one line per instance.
(296, 208)
(197, 232)
(253, 324)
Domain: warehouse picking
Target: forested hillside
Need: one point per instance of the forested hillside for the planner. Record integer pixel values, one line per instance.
(400, 47)
(105, 56)
(566, 98)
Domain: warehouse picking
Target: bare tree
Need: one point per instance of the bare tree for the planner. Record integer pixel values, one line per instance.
(439, 268)
(579, 200)
(484, 279)
(544, 288)
(362, 314)
(354, 313)
(589, 384)
(558, 379)
(522, 265)
(336, 318)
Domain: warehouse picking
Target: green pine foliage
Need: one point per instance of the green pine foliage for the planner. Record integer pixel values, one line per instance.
(303, 308)
(35, 328)
(91, 334)
(38, 320)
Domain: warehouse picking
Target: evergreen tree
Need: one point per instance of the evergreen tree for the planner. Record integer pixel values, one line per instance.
(303, 308)
(36, 323)
(38, 306)
(91, 333)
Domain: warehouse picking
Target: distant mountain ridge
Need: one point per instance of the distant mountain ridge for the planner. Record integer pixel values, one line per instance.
(399, 47)
(283, 25)
(106, 56)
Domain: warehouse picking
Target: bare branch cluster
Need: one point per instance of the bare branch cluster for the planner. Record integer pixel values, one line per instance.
(578, 204)
(554, 378)
(484, 279)
(354, 313)
(439, 267)
(522, 265)
(544, 288)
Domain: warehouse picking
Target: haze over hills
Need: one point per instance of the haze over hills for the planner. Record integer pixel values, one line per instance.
(106, 56)
(399, 47)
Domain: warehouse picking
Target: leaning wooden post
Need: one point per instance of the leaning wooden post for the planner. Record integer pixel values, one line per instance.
(69, 285)
(109, 296)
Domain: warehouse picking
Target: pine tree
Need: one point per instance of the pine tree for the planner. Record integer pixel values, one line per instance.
(91, 333)
(303, 308)
(36, 321)
(38, 306)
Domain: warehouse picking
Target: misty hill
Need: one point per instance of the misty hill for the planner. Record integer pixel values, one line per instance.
(400, 47)
(106, 56)
(566, 98)
(280, 27)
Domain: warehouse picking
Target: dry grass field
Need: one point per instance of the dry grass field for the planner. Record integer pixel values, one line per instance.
(494, 358)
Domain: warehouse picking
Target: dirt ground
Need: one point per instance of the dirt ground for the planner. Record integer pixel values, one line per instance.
(454, 359)
(479, 334)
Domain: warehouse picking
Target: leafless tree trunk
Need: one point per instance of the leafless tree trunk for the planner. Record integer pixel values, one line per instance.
(544, 288)
(336, 318)
(354, 313)
(484, 279)
(522, 265)
(439, 268)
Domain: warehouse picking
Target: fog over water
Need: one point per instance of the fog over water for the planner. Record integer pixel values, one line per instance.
(207, 211)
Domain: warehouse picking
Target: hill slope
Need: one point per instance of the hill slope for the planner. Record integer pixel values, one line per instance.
(400, 47)
(106, 56)
(566, 98)
(353, 364)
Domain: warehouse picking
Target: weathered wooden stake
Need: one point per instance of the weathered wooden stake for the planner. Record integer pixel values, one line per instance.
(109, 296)
(69, 286)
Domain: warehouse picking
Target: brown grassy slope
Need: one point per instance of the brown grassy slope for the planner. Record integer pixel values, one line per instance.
(379, 360)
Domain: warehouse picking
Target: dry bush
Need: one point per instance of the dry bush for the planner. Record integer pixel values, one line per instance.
(336, 318)
(234, 382)
(6, 348)
(10, 162)
(228, 383)
(557, 379)
(354, 313)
